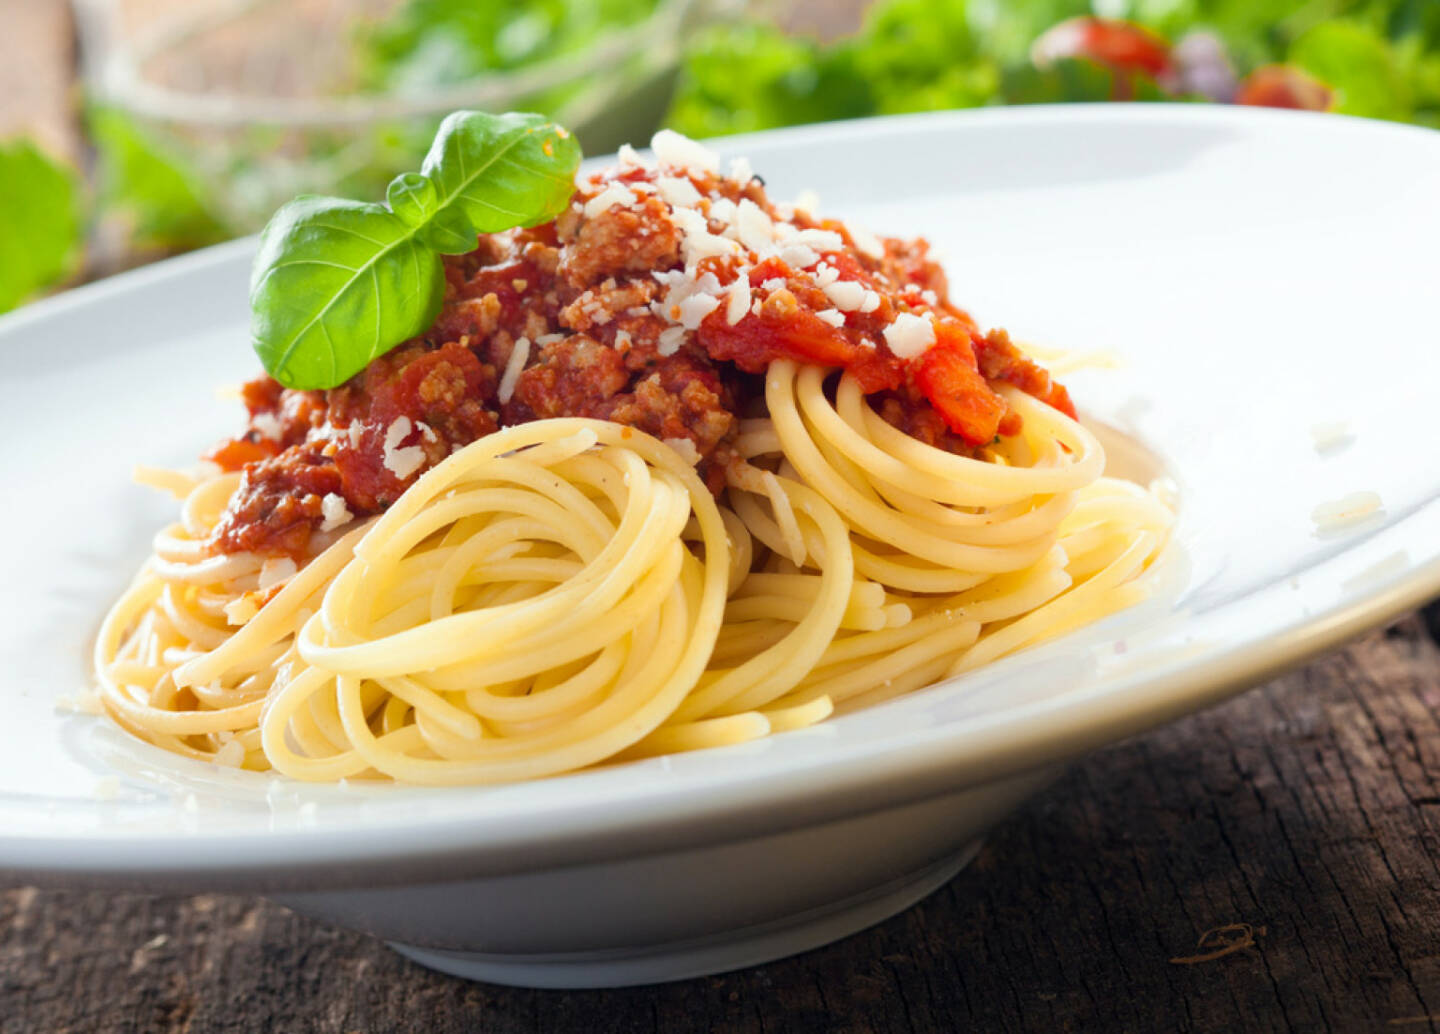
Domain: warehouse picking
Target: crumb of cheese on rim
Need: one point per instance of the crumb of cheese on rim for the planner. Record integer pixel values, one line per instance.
(1347, 510)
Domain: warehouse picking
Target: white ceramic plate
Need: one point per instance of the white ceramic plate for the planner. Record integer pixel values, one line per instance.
(1261, 274)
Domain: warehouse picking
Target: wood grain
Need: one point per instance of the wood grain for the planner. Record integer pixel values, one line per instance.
(1307, 809)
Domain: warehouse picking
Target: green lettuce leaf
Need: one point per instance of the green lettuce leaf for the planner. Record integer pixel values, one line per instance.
(40, 222)
(151, 186)
(1361, 66)
(739, 78)
(429, 43)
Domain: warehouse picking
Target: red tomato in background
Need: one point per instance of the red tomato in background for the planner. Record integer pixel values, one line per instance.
(1284, 86)
(1118, 45)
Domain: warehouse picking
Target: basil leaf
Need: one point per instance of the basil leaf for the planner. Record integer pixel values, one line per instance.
(40, 225)
(412, 197)
(336, 284)
(495, 173)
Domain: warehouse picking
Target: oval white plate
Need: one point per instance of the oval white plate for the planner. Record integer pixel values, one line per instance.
(1267, 280)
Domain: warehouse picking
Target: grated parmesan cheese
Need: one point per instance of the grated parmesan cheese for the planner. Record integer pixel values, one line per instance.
(681, 287)
(335, 512)
(269, 426)
(799, 256)
(722, 211)
(671, 338)
(751, 226)
(355, 431)
(820, 240)
(847, 295)
(401, 462)
(738, 299)
(698, 242)
(615, 193)
(871, 302)
(696, 308)
(519, 356)
(834, 317)
(866, 241)
(678, 191)
(631, 157)
(909, 335)
(741, 171)
(680, 152)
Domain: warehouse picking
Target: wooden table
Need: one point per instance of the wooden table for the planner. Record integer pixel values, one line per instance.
(1301, 817)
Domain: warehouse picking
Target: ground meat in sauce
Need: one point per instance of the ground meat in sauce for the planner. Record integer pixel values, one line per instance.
(581, 292)
(617, 241)
(279, 503)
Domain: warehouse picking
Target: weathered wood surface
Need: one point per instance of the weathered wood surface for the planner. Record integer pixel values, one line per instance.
(1307, 809)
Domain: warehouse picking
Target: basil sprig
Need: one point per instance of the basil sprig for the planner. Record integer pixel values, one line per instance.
(338, 283)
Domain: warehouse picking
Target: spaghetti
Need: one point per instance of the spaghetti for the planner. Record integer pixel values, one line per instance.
(570, 590)
(567, 591)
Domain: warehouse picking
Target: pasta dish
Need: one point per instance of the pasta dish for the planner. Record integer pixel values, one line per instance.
(679, 467)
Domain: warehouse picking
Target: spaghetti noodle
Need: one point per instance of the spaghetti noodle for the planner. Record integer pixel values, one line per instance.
(569, 590)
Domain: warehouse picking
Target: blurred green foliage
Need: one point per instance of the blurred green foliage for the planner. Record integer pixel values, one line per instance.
(151, 187)
(40, 221)
(430, 43)
(1381, 57)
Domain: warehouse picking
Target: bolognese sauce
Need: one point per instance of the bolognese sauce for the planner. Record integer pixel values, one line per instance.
(656, 300)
